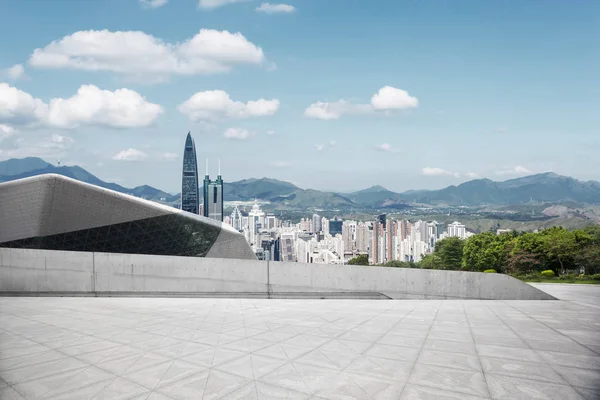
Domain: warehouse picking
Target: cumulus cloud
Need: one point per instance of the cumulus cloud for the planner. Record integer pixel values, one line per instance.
(154, 3)
(138, 54)
(432, 171)
(237, 134)
(280, 164)
(212, 4)
(517, 170)
(269, 8)
(386, 99)
(387, 148)
(6, 131)
(216, 104)
(15, 72)
(130, 155)
(390, 98)
(123, 108)
(319, 147)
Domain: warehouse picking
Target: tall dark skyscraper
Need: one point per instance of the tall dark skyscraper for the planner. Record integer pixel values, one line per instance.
(213, 196)
(190, 197)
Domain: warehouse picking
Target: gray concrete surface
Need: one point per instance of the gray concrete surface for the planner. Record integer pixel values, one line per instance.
(182, 348)
(587, 295)
(43, 271)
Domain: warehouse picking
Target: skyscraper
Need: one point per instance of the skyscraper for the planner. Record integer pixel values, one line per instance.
(190, 197)
(213, 196)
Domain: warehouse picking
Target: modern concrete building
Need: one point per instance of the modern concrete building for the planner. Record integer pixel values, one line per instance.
(54, 212)
(213, 196)
(190, 197)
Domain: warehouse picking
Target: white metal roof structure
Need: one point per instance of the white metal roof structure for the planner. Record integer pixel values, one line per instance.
(54, 212)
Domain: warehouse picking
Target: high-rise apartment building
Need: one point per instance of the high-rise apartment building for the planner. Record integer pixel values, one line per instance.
(190, 197)
(316, 223)
(335, 227)
(362, 237)
(213, 196)
(236, 219)
(325, 226)
(456, 229)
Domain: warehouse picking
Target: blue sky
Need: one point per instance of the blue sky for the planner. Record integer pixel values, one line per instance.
(494, 89)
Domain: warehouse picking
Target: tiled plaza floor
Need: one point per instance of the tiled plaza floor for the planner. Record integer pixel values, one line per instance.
(170, 348)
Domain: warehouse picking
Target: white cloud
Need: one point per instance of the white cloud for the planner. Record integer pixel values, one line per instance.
(386, 99)
(472, 175)
(390, 98)
(271, 132)
(517, 170)
(18, 107)
(154, 3)
(15, 72)
(137, 54)
(237, 134)
(432, 171)
(280, 164)
(169, 156)
(332, 143)
(6, 131)
(123, 108)
(216, 104)
(47, 147)
(319, 147)
(269, 8)
(130, 155)
(212, 4)
(387, 148)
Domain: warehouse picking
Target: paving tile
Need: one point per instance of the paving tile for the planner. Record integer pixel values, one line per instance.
(519, 369)
(120, 389)
(416, 392)
(37, 371)
(510, 388)
(572, 360)
(450, 360)
(449, 346)
(394, 352)
(8, 393)
(190, 387)
(288, 377)
(381, 368)
(580, 377)
(511, 353)
(589, 394)
(459, 380)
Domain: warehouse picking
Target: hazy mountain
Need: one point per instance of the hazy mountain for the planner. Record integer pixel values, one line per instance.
(16, 166)
(547, 187)
(30, 168)
(376, 196)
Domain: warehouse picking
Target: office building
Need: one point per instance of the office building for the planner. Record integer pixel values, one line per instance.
(190, 197)
(213, 196)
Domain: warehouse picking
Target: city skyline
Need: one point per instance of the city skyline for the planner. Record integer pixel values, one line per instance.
(427, 95)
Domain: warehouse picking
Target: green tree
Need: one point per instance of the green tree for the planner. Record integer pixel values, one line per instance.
(400, 264)
(486, 251)
(450, 253)
(430, 261)
(359, 260)
(560, 245)
(589, 258)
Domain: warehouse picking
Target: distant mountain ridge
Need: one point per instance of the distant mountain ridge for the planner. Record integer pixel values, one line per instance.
(545, 187)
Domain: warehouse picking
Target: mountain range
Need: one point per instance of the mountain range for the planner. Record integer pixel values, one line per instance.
(545, 187)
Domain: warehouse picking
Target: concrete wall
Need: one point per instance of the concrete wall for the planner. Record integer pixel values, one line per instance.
(24, 271)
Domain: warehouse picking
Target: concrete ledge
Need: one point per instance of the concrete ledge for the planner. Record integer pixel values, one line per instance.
(64, 273)
(225, 295)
